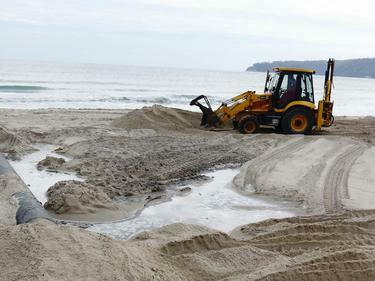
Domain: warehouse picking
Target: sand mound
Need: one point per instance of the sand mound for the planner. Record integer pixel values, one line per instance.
(44, 251)
(76, 197)
(200, 243)
(11, 144)
(50, 163)
(159, 118)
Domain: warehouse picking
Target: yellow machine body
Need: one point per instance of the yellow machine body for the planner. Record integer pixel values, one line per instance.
(249, 110)
(248, 101)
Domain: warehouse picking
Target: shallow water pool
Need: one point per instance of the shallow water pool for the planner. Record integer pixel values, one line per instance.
(214, 204)
(39, 181)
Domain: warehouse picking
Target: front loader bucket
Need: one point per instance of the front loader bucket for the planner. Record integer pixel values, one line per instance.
(209, 118)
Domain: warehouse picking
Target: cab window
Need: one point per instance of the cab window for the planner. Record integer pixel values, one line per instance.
(289, 84)
(288, 90)
(307, 93)
(272, 83)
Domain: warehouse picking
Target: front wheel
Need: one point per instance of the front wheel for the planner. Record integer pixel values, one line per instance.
(298, 120)
(248, 124)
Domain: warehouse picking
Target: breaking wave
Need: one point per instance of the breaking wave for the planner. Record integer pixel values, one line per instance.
(141, 100)
(146, 100)
(173, 99)
(21, 88)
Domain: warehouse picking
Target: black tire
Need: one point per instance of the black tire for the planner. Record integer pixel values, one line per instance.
(278, 128)
(298, 120)
(235, 124)
(248, 124)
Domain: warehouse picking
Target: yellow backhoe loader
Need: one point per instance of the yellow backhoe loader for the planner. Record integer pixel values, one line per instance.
(287, 104)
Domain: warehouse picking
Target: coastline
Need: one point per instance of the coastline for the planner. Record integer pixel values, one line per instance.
(139, 141)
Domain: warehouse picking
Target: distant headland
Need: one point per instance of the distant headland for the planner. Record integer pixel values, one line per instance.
(364, 68)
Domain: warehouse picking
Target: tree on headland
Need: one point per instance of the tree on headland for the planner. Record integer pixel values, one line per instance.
(364, 68)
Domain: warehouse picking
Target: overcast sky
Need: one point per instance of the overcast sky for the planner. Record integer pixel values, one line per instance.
(209, 34)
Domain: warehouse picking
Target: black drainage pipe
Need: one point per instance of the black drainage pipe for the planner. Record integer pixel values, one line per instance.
(29, 208)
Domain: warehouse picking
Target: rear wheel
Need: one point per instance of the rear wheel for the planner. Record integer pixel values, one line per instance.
(298, 120)
(248, 124)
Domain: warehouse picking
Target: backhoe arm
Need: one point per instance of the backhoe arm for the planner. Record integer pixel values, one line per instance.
(230, 108)
(325, 107)
(328, 83)
(226, 111)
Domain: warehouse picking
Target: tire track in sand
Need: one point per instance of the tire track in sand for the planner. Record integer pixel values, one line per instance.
(270, 159)
(324, 185)
(336, 181)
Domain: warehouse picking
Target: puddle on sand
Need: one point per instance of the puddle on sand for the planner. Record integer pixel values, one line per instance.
(213, 204)
(39, 181)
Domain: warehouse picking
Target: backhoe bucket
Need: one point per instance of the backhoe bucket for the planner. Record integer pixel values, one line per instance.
(209, 118)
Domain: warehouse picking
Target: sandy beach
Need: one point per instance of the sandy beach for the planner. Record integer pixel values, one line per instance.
(130, 158)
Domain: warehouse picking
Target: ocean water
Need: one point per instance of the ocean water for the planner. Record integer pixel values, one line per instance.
(46, 85)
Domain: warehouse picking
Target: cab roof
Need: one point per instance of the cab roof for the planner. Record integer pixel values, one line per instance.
(291, 69)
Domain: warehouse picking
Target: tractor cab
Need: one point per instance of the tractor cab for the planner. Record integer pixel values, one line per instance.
(290, 84)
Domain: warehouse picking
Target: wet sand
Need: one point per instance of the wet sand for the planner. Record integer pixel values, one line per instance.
(143, 152)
